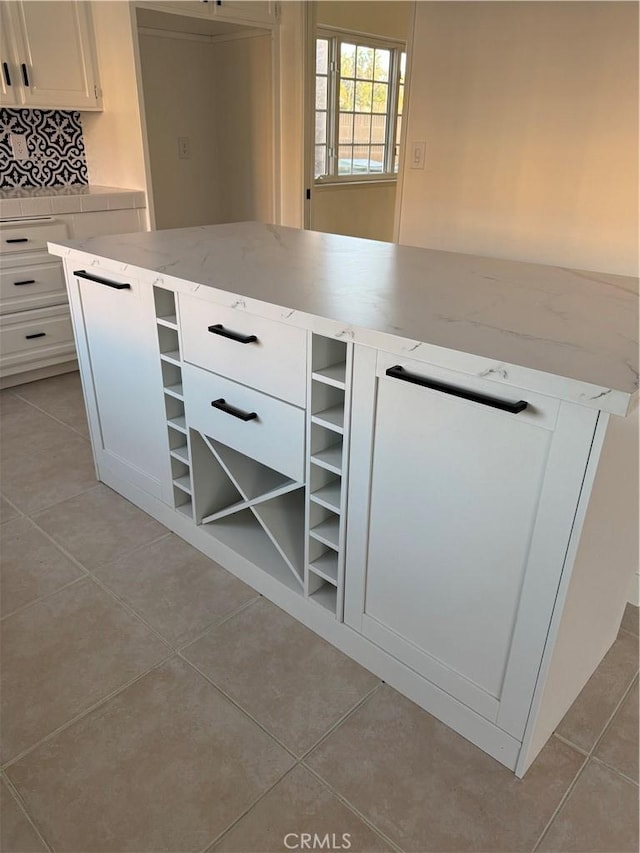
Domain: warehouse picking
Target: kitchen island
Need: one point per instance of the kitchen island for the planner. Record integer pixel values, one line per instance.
(410, 451)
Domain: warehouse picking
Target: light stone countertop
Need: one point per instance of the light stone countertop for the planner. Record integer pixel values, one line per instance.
(568, 333)
(18, 202)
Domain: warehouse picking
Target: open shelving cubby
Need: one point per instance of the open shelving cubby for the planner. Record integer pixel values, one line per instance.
(255, 510)
(171, 365)
(329, 400)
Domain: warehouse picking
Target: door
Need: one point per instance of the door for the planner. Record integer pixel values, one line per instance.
(122, 378)
(55, 54)
(470, 512)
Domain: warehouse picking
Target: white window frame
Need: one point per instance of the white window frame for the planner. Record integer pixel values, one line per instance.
(335, 37)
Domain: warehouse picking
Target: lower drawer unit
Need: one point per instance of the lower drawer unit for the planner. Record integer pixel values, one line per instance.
(34, 335)
(30, 236)
(33, 280)
(268, 430)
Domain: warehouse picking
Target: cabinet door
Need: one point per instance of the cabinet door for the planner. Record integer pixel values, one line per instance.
(470, 512)
(118, 355)
(55, 54)
(260, 11)
(9, 81)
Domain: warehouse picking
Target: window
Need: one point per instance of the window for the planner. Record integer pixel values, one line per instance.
(359, 98)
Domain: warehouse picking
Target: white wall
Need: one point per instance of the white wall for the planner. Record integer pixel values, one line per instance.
(530, 115)
(178, 82)
(242, 81)
(292, 63)
(219, 95)
(113, 137)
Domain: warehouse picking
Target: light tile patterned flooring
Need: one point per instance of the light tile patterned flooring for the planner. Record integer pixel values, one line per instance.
(153, 702)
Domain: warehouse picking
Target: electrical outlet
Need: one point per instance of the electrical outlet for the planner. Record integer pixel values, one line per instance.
(19, 146)
(184, 148)
(418, 150)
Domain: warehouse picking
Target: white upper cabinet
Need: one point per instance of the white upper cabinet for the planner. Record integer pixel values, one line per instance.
(50, 56)
(259, 11)
(9, 78)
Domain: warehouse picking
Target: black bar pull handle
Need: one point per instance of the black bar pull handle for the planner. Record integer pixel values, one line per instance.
(398, 372)
(17, 240)
(116, 285)
(223, 406)
(5, 71)
(25, 75)
(219, 329)
(26, 281)
(36, 335)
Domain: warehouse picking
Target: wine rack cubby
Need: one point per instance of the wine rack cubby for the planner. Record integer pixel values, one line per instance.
(328, 415)
(171, 364)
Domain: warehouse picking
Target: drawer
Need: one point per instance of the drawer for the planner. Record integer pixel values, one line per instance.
(31, 331)
(30, 236)
(275, 437)
(31, 281)
(274, 363)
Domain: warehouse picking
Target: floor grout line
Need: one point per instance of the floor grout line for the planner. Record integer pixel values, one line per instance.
(49, 415)
(42, 598)
(85, 713)
(217, 623)
(345, 802)
(33, 515)
(588, 756)
(13, 792)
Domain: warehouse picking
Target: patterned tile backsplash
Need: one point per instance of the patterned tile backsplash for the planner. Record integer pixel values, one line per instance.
(55, 144)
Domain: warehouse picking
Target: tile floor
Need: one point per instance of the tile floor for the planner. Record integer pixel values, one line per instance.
(153, 702)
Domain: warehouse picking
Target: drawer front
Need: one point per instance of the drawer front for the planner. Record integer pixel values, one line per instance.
(32, 334)
(274, 363)
(33, 285)
(275, 437)
(30, 237)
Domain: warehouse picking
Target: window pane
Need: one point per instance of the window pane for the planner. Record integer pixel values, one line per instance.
(403, 66)
(381, 65)
(376, 158)
(378, 128)
(346, 128)
(321, 128)
(364, 92)
(347, 60)
(360, 159)
(320, 167)
(321, 93)
(362, 128)
(364, 63)
(400, 99)
(322, 56)
(346, 94)
(380, 94)
(399, 126)
(344, 160)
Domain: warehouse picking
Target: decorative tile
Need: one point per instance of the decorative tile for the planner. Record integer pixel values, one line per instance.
(166, 765)
(55, 144)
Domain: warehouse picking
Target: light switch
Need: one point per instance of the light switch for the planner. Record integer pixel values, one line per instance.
(19, 146)
(418, 151)
(184, 148)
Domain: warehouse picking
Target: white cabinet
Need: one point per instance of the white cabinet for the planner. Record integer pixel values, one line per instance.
(48, 56)
(114, 320)
(470, 510)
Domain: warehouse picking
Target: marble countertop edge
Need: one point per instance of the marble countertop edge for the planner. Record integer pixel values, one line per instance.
(617, 401)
